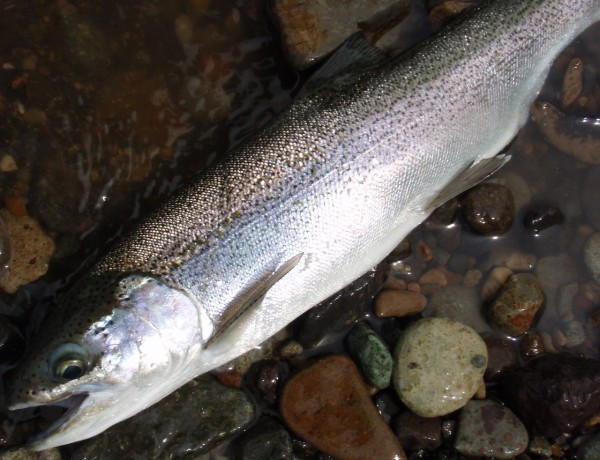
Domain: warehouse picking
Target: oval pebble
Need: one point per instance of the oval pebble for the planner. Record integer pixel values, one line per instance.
(488, 429)
(372, 355)
(439, 364)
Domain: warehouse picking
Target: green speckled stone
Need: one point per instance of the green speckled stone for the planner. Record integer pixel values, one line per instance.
(371, 354)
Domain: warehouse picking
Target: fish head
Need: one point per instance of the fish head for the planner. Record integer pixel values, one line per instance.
(116, 345)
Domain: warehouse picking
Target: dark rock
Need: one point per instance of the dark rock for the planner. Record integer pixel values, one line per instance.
(532, 345)
(489, 429)
(589, 449)
(502, 356)
(341, 310)
(514, 308)
(267, 440)
(443, 216)
(555, 393)
(388, 404)
(538, 221)
(267, 377)
(372, 355)
(417, 432)
(400, 252)
(489, 209)
(192, 420)
(339, 417)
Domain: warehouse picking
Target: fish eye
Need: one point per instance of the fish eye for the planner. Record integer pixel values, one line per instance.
(68, 361)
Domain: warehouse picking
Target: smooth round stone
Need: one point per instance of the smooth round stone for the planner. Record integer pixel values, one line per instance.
(514, 309)
(371, 354)
(489, 209)
(439, 364)
(328, 405)
(591, 255)
(488, 429)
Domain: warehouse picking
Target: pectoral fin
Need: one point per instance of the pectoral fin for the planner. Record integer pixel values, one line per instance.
(468, 178)
(251, 298)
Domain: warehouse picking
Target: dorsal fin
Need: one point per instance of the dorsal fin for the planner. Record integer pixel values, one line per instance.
(353, 56)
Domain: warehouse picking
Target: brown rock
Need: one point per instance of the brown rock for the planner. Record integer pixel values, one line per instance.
(328, 405)
(397, 303)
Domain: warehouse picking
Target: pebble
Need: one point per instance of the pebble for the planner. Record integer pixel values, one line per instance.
(572, 82)
(7, 163)
(532, 345)
(25, 454)
(574, 333)
(443, 215)
(591, 255)
(488, 429)
(267, 377)
(513, 259)
(502, 356)
(537, 221)
(489, 209)
(398, 303)
(312, 29)
(540, 446)
(341, 310)
(387, 404)
(31, 251)
(459, 303)
(267, 440)
(418, 433)
(589, 449)
(193, 419)
(339, 418)
(371, 354)
(554, 394)
(472, 278)
(518, 186)
(514, 308)
(439, 364)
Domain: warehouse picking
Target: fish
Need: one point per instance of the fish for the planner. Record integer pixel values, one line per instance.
(308, 204)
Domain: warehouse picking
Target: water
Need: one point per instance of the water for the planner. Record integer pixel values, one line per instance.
(106, 110)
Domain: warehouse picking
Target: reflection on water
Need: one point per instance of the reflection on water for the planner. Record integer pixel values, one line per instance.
(105, 110)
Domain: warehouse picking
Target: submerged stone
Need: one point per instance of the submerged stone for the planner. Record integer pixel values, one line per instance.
(192, 420)
(267, 440)
(439, 365)
(328, 405)
(555, 393)
(371, 354)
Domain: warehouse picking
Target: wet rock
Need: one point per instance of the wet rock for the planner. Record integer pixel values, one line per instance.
(513, 259)
(591, 255)
(555, 393)
(515, 306)
(443, 216)
(290, 348)
(267, 440)
(539, 220)
(31, 251)
(518, 186)
(495, 280)
(439, 364)
(589, 197)
(417, 432)
(339, 418)
(589, 449)
(398, 303)
(25, 454)
(574, 333)
(572, 82)
(400, 252)
(502, 356)
(339, 311)
(540, 446)
(575, 136)
(459, 303)
(532, 345)
(267, 377)
(371, 354)
(488, 429)
(192, 420)
(387, 404)
(312, 29)
(489, 209)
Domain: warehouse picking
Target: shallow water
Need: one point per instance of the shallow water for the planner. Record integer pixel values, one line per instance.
(106, 110)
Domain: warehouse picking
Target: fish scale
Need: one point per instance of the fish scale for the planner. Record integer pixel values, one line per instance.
(307, 205)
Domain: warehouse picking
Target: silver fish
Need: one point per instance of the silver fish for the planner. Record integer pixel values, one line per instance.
(310, 203)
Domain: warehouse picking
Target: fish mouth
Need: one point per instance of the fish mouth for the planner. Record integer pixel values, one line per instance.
(71, 407)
